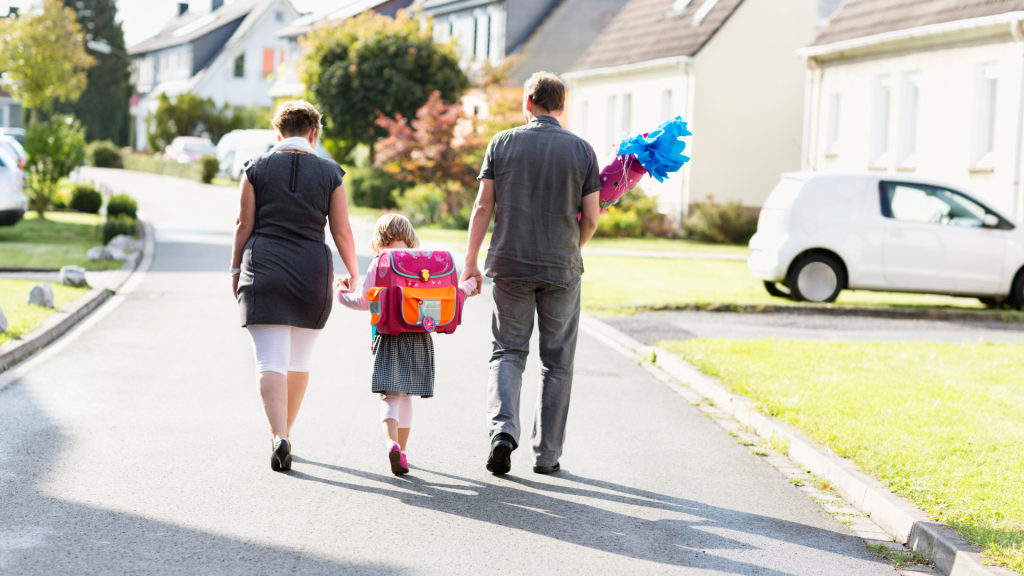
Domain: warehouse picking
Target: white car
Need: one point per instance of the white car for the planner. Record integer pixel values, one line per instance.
(821, 233)
(13, 203)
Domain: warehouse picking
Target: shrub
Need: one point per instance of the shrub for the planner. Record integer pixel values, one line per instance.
(157, 165)
(210, 166)
(85, 198)
(719, 223)
(635, 216)
(122, 204)
(103, 154)
(373, 187)
(422, 203)
(55, 148)
(60, 200)
(115, 225)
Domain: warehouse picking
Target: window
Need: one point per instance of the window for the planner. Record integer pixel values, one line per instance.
(908, 118)
(703, 12)
(832, 128)
(985, 115)
(880, 122)
(487, 47)
(279, 16)
(666, 104)
(930, 205)
(240, 66)
(627, 108)
(610, 124)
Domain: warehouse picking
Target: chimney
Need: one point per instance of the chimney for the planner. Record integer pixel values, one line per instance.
(12, 11)
(215, 4)
(182, 8)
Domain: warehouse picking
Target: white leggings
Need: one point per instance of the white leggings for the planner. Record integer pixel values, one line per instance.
(396, 406)
(282, 349)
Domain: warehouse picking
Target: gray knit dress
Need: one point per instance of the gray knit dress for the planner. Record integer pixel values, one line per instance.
(287, 267)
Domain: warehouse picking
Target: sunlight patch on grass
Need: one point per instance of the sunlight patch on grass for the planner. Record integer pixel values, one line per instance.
(61, 239)
(24, 317)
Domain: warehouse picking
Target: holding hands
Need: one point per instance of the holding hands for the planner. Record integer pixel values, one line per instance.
(345, 285)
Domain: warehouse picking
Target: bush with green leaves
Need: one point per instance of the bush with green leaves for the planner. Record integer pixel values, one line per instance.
(85, 198)
(719, 223)
(54, 148)
(122, 204)
(422, 203)
(373, 187)
(636, 215)
(103, 154)
(190, 115)
(117, 225)
(210, 166)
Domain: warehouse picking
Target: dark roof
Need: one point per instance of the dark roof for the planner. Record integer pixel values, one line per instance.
(859, 18)
(645, 30)
(192, 25)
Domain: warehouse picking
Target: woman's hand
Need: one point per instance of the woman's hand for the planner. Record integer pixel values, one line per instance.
(234, 285)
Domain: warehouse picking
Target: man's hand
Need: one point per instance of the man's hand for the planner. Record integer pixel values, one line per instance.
(472, 271)
(591, 211)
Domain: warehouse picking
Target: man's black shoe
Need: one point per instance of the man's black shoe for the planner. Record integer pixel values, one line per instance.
(547, 469)
(500, 459)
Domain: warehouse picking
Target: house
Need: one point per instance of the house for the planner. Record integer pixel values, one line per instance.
(726, 66)
(229, 53)
(288, 86)
(10, 110)
(930, 87)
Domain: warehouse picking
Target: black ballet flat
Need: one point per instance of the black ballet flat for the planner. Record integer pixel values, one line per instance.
(281, 457)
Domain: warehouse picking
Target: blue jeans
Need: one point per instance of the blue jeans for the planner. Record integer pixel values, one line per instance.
(557, 307)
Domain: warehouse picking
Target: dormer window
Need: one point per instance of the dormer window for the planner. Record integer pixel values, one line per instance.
(703, 12)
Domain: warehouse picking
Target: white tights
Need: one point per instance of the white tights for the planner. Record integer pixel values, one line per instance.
(398, 407)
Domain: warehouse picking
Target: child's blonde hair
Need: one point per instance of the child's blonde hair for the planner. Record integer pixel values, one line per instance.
(391, 227)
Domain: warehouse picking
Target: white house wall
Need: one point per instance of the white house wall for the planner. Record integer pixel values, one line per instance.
(655, 95)
(748, 102)
(946, 117)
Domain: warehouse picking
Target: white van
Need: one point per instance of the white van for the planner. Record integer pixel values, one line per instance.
(239, 146)
(821, 233)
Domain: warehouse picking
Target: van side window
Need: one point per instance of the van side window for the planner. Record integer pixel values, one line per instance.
(932, 205)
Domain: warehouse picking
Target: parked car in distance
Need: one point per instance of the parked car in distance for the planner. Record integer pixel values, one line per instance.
(15, 149)
(16, 133)
(239, 146)
(189, 149)
(13, 203)
(821, 233)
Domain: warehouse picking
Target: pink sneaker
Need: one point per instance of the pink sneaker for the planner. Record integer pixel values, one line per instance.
(405, 461)
(398, 461)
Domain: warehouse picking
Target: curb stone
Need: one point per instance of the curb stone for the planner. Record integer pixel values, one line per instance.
(60, 322)
(949, 553)
(940, 314)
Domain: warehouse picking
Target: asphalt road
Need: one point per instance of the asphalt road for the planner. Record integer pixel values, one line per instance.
(653, 327)
(140, 447)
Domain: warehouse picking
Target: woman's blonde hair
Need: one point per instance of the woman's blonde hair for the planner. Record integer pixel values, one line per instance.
(391, 227)
(296, 118)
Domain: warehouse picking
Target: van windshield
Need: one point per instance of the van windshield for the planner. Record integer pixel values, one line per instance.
(784, 194)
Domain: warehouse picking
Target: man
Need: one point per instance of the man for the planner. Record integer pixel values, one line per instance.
(536, 180)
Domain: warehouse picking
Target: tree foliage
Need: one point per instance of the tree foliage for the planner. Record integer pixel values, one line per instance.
(103, 106)
(43, 56)
(190, 115)
(442, 146)
(55, 148)
(374, 64)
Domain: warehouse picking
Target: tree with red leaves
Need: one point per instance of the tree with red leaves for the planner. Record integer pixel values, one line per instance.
(442, 145)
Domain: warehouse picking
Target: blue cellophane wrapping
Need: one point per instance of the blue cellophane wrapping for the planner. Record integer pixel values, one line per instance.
(661, 151)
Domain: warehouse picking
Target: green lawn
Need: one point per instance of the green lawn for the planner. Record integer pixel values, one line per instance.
(61, 239)
(664, 245)
(940, 424)
(22, 317)
(612, 282)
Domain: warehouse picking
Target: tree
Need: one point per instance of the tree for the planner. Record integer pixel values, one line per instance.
(43, 57)
(55, 148)
(190, 115)
(103, 106)
(374, 64)
(441, 146)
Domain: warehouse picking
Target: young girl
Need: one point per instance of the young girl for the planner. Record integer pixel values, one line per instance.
(403, 364)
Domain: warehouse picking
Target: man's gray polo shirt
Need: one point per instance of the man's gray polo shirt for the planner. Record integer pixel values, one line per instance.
(541, 173)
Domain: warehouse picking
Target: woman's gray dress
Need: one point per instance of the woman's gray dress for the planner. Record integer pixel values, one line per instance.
(287, 267)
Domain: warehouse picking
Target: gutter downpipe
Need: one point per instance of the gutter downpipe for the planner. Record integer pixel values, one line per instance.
(805, 148)
(1018, 198)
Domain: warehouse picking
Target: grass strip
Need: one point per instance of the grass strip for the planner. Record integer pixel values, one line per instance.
(941, 424)
(23, 317)
(61, 239)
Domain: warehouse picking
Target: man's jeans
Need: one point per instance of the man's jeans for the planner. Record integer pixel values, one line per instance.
(558, 311)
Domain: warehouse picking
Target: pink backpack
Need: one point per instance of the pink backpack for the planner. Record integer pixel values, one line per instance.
(415, 291)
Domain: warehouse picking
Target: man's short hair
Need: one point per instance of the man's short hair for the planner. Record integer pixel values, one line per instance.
(546, 91)
(296, 118)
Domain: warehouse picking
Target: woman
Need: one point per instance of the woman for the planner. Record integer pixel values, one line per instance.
(282, 269)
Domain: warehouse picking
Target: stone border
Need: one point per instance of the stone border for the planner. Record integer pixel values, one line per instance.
(942, 314)
(61, 321)
(947, 551)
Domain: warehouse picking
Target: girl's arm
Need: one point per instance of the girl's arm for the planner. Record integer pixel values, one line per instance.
(357, 300)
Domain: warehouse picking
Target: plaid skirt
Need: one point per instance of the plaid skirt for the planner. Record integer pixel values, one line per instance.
(404, 363)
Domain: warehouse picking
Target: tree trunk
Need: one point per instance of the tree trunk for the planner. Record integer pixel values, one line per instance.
(32, 118)
(373, 154)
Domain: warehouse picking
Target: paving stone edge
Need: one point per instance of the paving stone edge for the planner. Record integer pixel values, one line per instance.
(949, 553)
(60, 322)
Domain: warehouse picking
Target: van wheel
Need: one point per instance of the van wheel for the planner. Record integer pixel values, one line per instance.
(816, 278)
(1016, 298)
(773, 289)
(991, 302)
